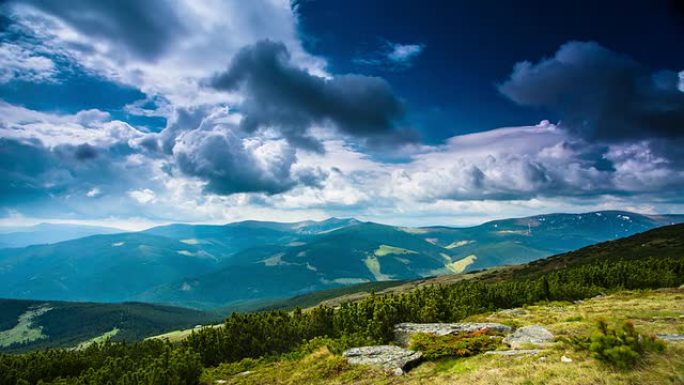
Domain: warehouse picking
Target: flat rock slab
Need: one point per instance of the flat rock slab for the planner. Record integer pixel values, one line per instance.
(535, 335)
(513, 352)
(384, 356)
(404, 331)
(671, 337)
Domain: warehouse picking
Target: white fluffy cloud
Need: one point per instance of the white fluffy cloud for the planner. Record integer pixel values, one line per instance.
(205, 35)
(21, 63)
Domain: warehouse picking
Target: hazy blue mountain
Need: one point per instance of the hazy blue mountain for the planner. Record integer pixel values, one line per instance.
(252, 261)
(114, 267)
(366, 252)
(360, 252)
(45, 233)
(223, 241)
(521, 240)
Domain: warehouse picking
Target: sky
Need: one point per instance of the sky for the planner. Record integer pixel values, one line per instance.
(132, 114)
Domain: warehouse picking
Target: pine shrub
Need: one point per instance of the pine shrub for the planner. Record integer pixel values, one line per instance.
(455, 345)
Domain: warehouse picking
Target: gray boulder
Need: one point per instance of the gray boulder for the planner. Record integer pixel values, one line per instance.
(535, 335)
(512, 312)
(671, 337)
(404, 331)
(393, 358)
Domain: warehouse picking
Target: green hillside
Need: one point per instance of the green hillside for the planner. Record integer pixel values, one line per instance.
(106, 268)
(364, 252)
(30, 325)
(303, 347)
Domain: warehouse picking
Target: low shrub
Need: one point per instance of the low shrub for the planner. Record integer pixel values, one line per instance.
(455, 345)
(621, 348)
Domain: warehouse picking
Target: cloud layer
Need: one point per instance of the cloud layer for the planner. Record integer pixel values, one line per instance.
(258, 128)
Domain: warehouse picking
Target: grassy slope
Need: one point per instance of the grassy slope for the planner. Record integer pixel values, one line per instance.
(67, 324)
(652, 311)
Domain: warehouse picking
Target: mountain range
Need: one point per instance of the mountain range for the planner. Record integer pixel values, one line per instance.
(245, 264)
(45, 233)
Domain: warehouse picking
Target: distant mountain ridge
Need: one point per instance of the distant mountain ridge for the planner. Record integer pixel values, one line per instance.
(211, 266)
(48, 233)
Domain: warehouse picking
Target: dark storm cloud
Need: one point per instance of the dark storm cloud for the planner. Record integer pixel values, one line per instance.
(85, 151)
(600, 94)
(281, 95)
(145, 28)
(229, 165)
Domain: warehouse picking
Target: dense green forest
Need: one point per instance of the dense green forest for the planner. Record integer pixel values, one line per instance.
(368, 321)
(66, 324)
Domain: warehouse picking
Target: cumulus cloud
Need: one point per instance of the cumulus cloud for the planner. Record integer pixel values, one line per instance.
(143, 28)
(88, 126)
(231, 164)
(600, 94)
(230, 161)
(279, 94)
(161, 47)
(20, 63)
(143, 196)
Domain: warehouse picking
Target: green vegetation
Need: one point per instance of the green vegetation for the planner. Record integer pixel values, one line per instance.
(622, 348)
(106, 336)
(257, 334)
(386, 250)
(373, 265)
(649, 310)
(38, 324)
(456, 345)
(311, 299)
(25, 331)
(462, 264)
(149, 362)
(281, 344)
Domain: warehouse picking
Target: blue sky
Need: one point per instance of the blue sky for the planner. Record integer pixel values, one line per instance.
(444, 112)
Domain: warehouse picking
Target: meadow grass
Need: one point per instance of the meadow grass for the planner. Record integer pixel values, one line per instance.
(652, 311)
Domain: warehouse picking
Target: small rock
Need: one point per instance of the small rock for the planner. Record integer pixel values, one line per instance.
(245, 373)
(512, 352)
(220, 381)
(397, 372)
(404, 331)
(512, 312)
(535, 335)
(566, 360)
(385, 356)
(542, 359)
(671, 337)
